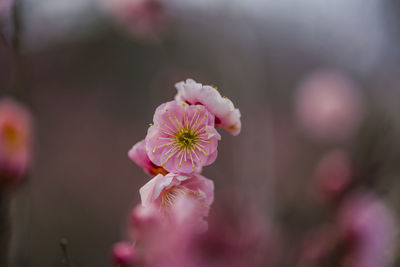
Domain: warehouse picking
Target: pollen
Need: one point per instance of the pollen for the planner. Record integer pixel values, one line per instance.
(186, 138)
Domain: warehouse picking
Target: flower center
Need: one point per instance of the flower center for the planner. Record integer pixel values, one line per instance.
(186, 138)
(171, 194)
(157, 170)
(11, 137)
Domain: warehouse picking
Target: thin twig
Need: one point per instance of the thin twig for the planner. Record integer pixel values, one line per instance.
(19, 76)
(4, 39)
(66, 258)
(4, 229)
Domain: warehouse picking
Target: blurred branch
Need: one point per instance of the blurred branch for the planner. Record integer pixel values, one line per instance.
(66, 260)
(19, 81)
(4, 229)
(3, 39)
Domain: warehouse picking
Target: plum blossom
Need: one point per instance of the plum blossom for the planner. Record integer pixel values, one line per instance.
(329, 106)
(139, 155)
(368, 226)
(124, 254)
(144, 19)
(362, 235)
(183, 137)
(165, 191)
(333, 175)
(226, 115)
(16, 129)
(236, 237)
(179, 233)
(166, 240)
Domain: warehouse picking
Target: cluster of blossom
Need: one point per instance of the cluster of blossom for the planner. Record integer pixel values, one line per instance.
(16, 137)
(361, 229)
(182, 139)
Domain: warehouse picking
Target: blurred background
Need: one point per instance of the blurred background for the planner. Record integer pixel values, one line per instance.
(93, 78)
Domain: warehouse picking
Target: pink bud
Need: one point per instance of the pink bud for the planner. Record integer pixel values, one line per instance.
(124, 253)
(332, 175)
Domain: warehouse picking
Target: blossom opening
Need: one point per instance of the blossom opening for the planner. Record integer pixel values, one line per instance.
(182, 138)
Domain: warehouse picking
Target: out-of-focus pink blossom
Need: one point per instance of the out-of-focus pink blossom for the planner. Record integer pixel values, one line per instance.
(329, 106)
(144, 19)
(179, 233)
(236, 237)
(183, 137)
(145, 222)
(124, 254)
(226, 115)
(16, 134)
(332, 175)
(5, 6)
(138, 155)
(164, 191)
(167, 240)
(369, 230)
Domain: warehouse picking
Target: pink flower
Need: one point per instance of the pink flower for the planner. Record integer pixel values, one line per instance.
(167, 240)
(368, 227)
(144, 19)
(182, 138)
(238, 234)
(138, 155)
(226, 115)
(124, 254)
(166, 191)
(333, 175)
(15, 140)
(329, 106)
